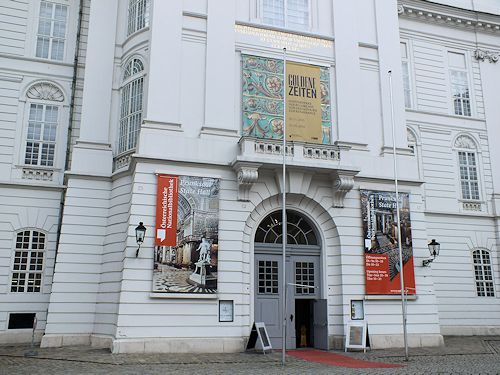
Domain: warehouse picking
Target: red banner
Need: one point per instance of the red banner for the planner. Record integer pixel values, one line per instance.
(380, 229)
(166, 210)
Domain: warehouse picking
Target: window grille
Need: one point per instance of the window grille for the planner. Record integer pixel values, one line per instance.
(268, 277)
(293, 14)
(483, 273)
(41, 135)
(469, 181)
(27, 268)
(131, 106)
(459, 84)
(138, 15)
(304, 275)
(299, 231)
(51, 34)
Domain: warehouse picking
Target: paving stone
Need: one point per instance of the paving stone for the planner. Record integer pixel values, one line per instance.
(463, 355)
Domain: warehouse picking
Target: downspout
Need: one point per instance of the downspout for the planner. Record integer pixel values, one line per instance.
(70, 124)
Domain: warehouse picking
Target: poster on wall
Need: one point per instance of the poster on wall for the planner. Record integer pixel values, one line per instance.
(307, 90)
(186, 235)
(382, 269)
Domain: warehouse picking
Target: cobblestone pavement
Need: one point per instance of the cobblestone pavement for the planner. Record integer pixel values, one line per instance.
(464, 355)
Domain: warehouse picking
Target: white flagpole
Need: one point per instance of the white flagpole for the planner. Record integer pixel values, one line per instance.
(283, 215)
(403, 294)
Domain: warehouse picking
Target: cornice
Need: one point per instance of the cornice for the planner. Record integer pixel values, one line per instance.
(449, 16)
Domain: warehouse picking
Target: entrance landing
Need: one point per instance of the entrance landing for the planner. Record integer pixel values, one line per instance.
(333, 359)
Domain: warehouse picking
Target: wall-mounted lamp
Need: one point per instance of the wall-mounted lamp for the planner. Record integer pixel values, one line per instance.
(140, 233)
(434, 250)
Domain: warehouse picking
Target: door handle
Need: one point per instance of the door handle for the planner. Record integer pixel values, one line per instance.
(291, 317)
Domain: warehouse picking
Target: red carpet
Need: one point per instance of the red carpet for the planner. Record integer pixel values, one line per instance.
(332, 359)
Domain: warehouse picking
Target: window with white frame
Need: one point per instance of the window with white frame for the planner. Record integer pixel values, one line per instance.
(131, 105)
(41, 136)
(469, 180)
(483, 274)
(51, 34)
(459, 84)
(44, 101)
(292, 14)
(406, 74)
(27, 268)
(138, 15)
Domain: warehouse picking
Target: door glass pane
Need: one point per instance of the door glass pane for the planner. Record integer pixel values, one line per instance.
(304, 275)
(268, 277)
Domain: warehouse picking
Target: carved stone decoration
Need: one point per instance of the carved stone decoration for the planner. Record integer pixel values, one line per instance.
(45, 91)
(410, 136)
(466, 142)
(247, 174)
(482, 55)
(342, 184)
(401, 9)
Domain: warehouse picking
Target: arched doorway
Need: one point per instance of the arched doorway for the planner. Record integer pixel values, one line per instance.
(306, 312)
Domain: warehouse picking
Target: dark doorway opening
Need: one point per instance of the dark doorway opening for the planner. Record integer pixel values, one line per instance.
(304, 320)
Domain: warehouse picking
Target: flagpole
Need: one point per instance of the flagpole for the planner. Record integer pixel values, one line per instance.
(283, 216)
(400, 247)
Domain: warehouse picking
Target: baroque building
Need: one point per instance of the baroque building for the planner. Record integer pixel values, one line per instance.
(172, 114)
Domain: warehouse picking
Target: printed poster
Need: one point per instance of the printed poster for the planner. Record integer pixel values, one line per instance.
(187, 235)
(382, 269)
(303, 103)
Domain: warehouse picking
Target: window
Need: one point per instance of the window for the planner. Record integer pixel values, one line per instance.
(138, 15)
(51, 31)
(292, 14)
(131, 105)
(468, 175)
(268, 277)
(412, 141)
(406, 74)
(459, 84)
(304, 275)
(27, 268)
(299, 231)
(41, 137)
(483, 274)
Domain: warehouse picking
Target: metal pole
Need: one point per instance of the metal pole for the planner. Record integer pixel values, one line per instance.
(283, 214)
(401, 274)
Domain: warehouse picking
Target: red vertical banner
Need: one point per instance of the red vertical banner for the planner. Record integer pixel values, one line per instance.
(166, 210)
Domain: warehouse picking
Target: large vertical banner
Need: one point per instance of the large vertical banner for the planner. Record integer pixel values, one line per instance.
(187, 235)
(307, 90)
(303, 103)
(382, 270)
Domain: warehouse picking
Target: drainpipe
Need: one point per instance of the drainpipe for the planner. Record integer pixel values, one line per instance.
(70, 124)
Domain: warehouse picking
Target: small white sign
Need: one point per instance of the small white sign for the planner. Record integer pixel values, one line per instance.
(355, 337)
(226, 311)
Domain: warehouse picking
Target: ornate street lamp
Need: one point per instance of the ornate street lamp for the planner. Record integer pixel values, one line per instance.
(434, 250)
(140, 233)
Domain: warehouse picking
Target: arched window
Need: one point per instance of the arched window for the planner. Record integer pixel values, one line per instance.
(131, 105)
(299, 230)
(45, 101)
(483, 273)
(138, 15)
(468, 167)
(27, 268)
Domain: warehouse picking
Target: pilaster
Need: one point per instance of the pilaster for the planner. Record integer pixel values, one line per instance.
(386, 14)
(164, 83)
(220, 60)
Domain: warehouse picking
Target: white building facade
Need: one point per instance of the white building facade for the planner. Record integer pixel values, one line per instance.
(99, 98)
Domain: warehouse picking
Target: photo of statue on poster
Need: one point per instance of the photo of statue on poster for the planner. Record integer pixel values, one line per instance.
(382, 268)
(187, 234)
